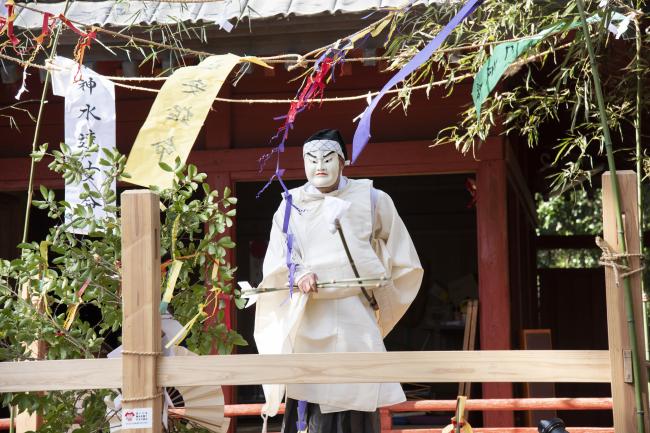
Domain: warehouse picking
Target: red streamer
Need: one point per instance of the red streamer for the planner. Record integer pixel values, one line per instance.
(45, 27)
(71, 26)
(84, 42)
(314, 88)
(10, 23)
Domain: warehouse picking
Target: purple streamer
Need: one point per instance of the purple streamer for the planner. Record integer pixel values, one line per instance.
(281, 135)
(288, 199)
(301, 424)
(362, 134)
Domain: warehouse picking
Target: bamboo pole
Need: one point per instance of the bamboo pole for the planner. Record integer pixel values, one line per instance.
(639, 168)
(639, 409)
(25, 421)
(142, 398)
(37, 129)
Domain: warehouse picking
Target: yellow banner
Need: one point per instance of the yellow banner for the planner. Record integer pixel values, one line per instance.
(175, 120)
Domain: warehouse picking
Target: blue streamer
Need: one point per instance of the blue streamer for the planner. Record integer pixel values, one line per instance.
(301, 424)
(362, 134)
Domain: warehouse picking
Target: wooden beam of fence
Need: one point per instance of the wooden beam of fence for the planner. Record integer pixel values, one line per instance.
(434, 367)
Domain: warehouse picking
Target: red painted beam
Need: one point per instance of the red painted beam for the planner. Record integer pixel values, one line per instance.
(506, 430)
(236, 410)
(380, 159)
(604, 403)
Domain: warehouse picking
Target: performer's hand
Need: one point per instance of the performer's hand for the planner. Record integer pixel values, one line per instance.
(308, 283)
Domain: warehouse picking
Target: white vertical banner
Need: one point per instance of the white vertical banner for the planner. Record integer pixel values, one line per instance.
(89, 120)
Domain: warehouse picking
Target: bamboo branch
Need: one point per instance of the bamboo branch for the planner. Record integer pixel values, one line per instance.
(639, 410)
(32, 165)
(639, 161)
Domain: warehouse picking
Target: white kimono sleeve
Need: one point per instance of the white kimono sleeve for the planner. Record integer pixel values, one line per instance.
(394, 247)
(276, 314)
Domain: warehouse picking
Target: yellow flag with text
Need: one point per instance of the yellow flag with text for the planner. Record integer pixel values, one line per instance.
(175, 120)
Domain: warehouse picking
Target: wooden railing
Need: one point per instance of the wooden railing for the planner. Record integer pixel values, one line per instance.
(141, 333)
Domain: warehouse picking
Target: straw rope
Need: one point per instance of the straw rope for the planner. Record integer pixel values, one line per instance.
(297, 59)
(146, 397)
(616, 261)
(317, 100)
(289, 100)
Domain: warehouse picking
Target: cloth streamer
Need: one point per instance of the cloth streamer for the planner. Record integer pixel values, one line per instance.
(9, 22)
(504, 54)
(301, 424)
(89, 121)
(175, 120)
(362, 134)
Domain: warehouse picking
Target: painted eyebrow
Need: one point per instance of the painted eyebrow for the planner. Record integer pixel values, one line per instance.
(311, 155)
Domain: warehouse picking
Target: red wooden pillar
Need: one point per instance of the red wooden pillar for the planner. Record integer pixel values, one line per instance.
(493, 274)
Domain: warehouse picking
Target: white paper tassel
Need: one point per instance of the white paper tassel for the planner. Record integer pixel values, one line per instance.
(23, 88)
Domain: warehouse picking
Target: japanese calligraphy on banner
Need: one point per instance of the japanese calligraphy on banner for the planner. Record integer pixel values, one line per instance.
(504, 54)
(175, 119)
(89, 121)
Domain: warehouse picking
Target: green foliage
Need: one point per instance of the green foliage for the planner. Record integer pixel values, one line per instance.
(576, 212)
(572, 213)
(40, 292)
(548, 86)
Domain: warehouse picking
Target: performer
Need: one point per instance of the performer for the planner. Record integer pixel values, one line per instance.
(339, 319)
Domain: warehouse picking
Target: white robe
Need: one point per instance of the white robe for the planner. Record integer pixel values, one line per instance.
(336, 320)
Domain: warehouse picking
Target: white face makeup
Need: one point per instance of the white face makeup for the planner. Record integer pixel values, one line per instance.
(322, 168)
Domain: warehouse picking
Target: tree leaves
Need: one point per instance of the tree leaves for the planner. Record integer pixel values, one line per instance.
(54, 281)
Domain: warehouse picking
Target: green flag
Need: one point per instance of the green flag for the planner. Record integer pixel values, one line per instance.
(504, 54)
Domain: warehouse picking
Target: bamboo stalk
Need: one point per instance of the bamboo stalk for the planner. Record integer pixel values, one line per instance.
(11, 419)
(37, 129)
(639, 170)
(640, 422)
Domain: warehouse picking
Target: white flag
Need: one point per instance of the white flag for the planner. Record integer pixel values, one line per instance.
(89, 119)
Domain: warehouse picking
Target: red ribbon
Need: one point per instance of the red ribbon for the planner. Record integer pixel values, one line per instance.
(84, 42)
(45, 27)
(10, 24)
(314, 88)
(71, 26)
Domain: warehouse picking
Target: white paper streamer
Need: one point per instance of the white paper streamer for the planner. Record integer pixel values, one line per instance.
(23, 87)
(89, 118)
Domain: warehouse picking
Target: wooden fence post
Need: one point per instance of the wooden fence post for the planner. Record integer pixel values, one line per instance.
(617, 331)
(141, 335)
(25, 421)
